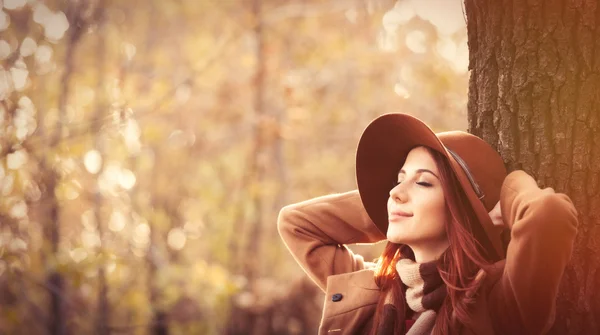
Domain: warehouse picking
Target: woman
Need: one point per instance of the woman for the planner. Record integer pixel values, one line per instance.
(442, 202)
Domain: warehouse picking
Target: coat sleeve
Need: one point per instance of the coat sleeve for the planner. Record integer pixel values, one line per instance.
(316, 231)
(543, 227)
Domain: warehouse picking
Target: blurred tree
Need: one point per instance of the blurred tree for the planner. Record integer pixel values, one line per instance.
(101, 110)
(533, 96)
(78, 16)
(173, 132)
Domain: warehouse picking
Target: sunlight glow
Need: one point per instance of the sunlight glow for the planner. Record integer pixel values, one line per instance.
(26, 103)
(4, 49)
(24, 120)
(17, 245)
(19, 210)
(240, 281)
(111, 265)
(177, 138)
(5, 84)
(456, 53)
(400, 14)
(4, 20)
(183, 94)
(90, 239)
(142, 231)
(245, 299)
(176, 239)
(407, 73)
(129, 50)
(89, 236)
(72, 190)
(78, 254)
(43, 54)
(415, 41)
(193, 230)
(92, 161)
(127, 179)
(108, 179)
(139, 252)
(117, 221)
(85, 95)
(447, 16)
(131, 134)
(14, 4)
(41, 13)
(55, 26)
(88, 220)
(7, 185)
(446, 48)
(32, 191)
(387, 41)
(461, 60)
(28, 47)
(19, 77)
(141, 235)
(16, 159)
(351, 15)
(401, 91)
(68, 165)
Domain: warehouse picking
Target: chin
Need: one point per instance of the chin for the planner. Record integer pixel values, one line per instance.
(395, 237)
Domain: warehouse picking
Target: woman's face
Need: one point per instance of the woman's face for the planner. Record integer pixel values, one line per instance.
(416, 206)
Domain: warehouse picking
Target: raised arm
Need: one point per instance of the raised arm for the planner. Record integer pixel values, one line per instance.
(543, 227)
(316, 231)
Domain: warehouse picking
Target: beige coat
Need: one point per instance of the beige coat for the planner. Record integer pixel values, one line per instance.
(518, 297)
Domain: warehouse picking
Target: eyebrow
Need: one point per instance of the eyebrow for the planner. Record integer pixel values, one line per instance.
(421, 171)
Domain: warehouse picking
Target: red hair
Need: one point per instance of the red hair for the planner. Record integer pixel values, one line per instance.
(459, 266)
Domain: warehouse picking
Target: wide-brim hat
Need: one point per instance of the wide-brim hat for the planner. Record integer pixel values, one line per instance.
(381, 153)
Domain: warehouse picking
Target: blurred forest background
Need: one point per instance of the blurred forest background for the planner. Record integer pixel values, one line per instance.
(146, 148)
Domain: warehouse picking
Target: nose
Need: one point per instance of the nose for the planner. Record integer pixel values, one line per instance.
(398, 193)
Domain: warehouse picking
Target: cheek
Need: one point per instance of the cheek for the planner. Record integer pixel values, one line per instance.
(439, 208)
(434, 208)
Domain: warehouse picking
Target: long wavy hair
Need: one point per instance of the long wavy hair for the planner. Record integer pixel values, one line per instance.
(459, 266)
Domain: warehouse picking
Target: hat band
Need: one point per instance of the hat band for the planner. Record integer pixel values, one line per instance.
(465, 168)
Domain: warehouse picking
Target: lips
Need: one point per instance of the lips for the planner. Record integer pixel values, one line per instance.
(397, 215)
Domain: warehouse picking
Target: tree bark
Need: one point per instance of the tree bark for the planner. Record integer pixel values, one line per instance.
(534, 96)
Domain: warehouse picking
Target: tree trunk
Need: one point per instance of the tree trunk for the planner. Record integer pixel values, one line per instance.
(533, 95)
(246, 320)
(158, 320)
(55, 280)
(257, 164)
(103, 308)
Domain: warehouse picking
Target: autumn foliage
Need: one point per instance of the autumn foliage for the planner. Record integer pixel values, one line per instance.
(146, 148)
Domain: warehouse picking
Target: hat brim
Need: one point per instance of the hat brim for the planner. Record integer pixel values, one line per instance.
(381, 152)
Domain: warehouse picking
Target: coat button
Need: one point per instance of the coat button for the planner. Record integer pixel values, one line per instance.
(337, 297)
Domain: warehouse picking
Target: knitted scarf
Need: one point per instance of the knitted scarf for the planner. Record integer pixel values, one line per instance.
(425, 292)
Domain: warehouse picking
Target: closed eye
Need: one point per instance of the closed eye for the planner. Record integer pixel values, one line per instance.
(422, 183)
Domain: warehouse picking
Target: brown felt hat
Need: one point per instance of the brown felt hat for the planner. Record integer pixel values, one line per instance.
(383, 148)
